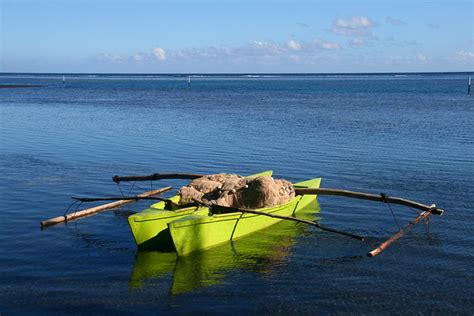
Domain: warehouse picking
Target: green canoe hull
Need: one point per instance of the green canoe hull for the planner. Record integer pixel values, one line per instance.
(150, 226)
(196, 232)
(205, 268)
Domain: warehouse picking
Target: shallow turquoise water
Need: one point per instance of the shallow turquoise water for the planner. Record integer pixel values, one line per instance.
(409, 136)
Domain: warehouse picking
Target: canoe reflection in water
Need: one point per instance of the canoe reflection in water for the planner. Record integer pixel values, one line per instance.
(262, 251)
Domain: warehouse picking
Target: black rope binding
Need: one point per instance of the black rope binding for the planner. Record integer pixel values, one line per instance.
(385, 200)
(120, 189)
(71, 205)
(131, 188)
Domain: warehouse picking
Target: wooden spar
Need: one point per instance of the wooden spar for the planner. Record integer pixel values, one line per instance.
(295, 219)
(427, 209)
(89, 211)
(133, 198)
(399, 234)
(372, 197)
(157, 176)
(120, 198)
(290, 218)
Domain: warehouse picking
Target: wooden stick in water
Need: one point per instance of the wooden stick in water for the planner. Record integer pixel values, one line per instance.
(399, 234)
(108, 206)
(371, 197)
(157, 176)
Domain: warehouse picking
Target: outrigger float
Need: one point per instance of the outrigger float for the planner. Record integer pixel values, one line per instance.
(188, 228)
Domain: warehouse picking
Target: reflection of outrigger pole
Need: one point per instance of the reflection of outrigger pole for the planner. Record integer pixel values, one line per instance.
(189, 81)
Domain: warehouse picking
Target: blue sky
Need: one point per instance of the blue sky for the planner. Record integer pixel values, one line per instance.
(236, 36)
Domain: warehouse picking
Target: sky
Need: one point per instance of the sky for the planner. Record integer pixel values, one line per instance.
(227, 36)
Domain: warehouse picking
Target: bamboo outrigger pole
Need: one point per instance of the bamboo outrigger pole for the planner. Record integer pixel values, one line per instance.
(118, 198)
(157, 176)
(108, 206)
(427, 210)
(372, 197)
(315, 191)
(399, 234)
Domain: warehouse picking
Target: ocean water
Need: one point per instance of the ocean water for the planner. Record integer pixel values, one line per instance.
(407, 135)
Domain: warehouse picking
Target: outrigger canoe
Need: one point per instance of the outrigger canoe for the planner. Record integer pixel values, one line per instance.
(163, 226)
(168, 225)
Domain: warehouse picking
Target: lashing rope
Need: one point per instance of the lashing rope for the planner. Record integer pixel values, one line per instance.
(70, 205)
(131, 188)
(77, 207)
(385, 200)
(120, 189)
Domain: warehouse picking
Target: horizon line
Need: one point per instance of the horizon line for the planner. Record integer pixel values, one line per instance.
(236, 73)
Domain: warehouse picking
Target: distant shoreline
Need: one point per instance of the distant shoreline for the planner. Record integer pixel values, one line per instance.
(183, 74)
(7, 86)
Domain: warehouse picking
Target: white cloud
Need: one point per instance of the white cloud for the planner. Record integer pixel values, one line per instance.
(266, 47)
(293, 45)
(258, 44)
(393, 21)
(410, 60)
(138, 57)
(253, 52)
(421, 57)
(159, 53)
(462, 54)
(328, 45)
(397, 59)
(109, 57)
(321, 44)
(355, 26)
(198, 54)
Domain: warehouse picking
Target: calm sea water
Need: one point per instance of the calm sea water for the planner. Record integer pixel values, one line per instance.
(408, 135)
